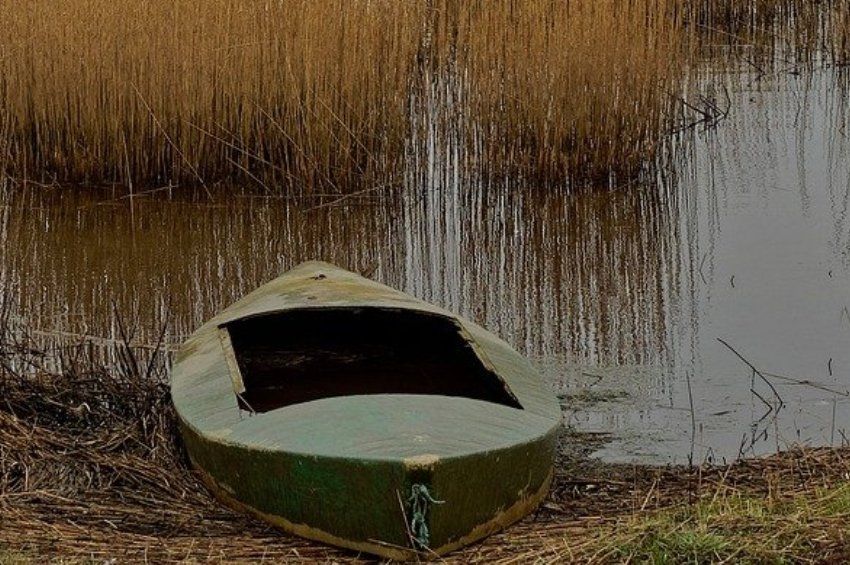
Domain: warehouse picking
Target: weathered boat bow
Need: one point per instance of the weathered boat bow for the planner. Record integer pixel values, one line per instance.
(348, 412)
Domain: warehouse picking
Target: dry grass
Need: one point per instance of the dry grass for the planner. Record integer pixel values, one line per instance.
(554, 90)
(294, 91)
(303, 94)
(788, 508)
(785, 526)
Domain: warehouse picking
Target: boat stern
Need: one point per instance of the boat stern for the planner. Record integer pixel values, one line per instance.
(414, 507)
(451, 503)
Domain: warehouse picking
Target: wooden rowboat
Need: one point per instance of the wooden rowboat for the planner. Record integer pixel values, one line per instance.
(348, 412)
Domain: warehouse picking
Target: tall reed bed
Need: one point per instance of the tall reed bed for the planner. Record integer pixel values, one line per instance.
(574, 89)
(320, 93)
(841, 34)
(802, 29)
(302, 92)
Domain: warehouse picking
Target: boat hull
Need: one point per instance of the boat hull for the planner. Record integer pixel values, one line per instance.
(363, 505)
(344, 411)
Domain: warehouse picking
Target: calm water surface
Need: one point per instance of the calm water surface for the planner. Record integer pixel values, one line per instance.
(620, 297)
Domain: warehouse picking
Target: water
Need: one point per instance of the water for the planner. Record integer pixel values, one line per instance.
(619, 296)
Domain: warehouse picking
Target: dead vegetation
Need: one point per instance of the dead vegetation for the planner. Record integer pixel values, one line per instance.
(771, 32)
(295, 92)
(299, 95)
(91, 468)
(553, 90)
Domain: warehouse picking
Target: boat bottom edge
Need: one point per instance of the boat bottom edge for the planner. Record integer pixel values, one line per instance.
(520, 509)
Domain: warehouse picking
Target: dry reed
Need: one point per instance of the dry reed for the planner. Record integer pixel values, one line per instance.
(577, 89)
(295, 91)
(302, 94)
(781, 29)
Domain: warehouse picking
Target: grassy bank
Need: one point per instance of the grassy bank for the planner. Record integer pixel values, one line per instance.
(735, 526)
(92, 469)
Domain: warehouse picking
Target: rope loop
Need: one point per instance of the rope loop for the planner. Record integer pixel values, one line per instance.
(420, 499)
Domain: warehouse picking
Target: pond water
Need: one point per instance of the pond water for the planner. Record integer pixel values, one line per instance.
(621, 297)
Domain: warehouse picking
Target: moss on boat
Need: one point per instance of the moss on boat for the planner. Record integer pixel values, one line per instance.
(396, 469)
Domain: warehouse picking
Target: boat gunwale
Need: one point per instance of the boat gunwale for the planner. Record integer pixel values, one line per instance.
(411, 461)
(536, 425)
(456, 321)
(540, 413)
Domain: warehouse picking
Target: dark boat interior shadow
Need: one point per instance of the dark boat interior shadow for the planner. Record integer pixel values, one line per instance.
(298, 356)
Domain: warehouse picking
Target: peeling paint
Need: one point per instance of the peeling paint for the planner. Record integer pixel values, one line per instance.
(426, 461)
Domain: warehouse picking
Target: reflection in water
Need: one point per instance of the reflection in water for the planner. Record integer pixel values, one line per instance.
(620, 296)
(767, 245)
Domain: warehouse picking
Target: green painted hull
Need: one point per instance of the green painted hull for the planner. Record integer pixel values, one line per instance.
(342, 469)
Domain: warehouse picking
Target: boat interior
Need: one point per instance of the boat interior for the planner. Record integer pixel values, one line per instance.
(296, 356)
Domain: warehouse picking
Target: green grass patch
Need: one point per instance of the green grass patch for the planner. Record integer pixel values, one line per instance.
(13, 558)
(730, 527)
(677, 547)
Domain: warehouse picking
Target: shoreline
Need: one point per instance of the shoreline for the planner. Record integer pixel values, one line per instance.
(91, 468)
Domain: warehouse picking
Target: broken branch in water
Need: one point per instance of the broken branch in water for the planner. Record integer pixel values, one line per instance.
(755, 371)
(809, 383)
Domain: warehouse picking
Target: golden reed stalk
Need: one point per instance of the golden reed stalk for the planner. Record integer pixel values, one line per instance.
(307, 94)
(567, 89)
(304, 92)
